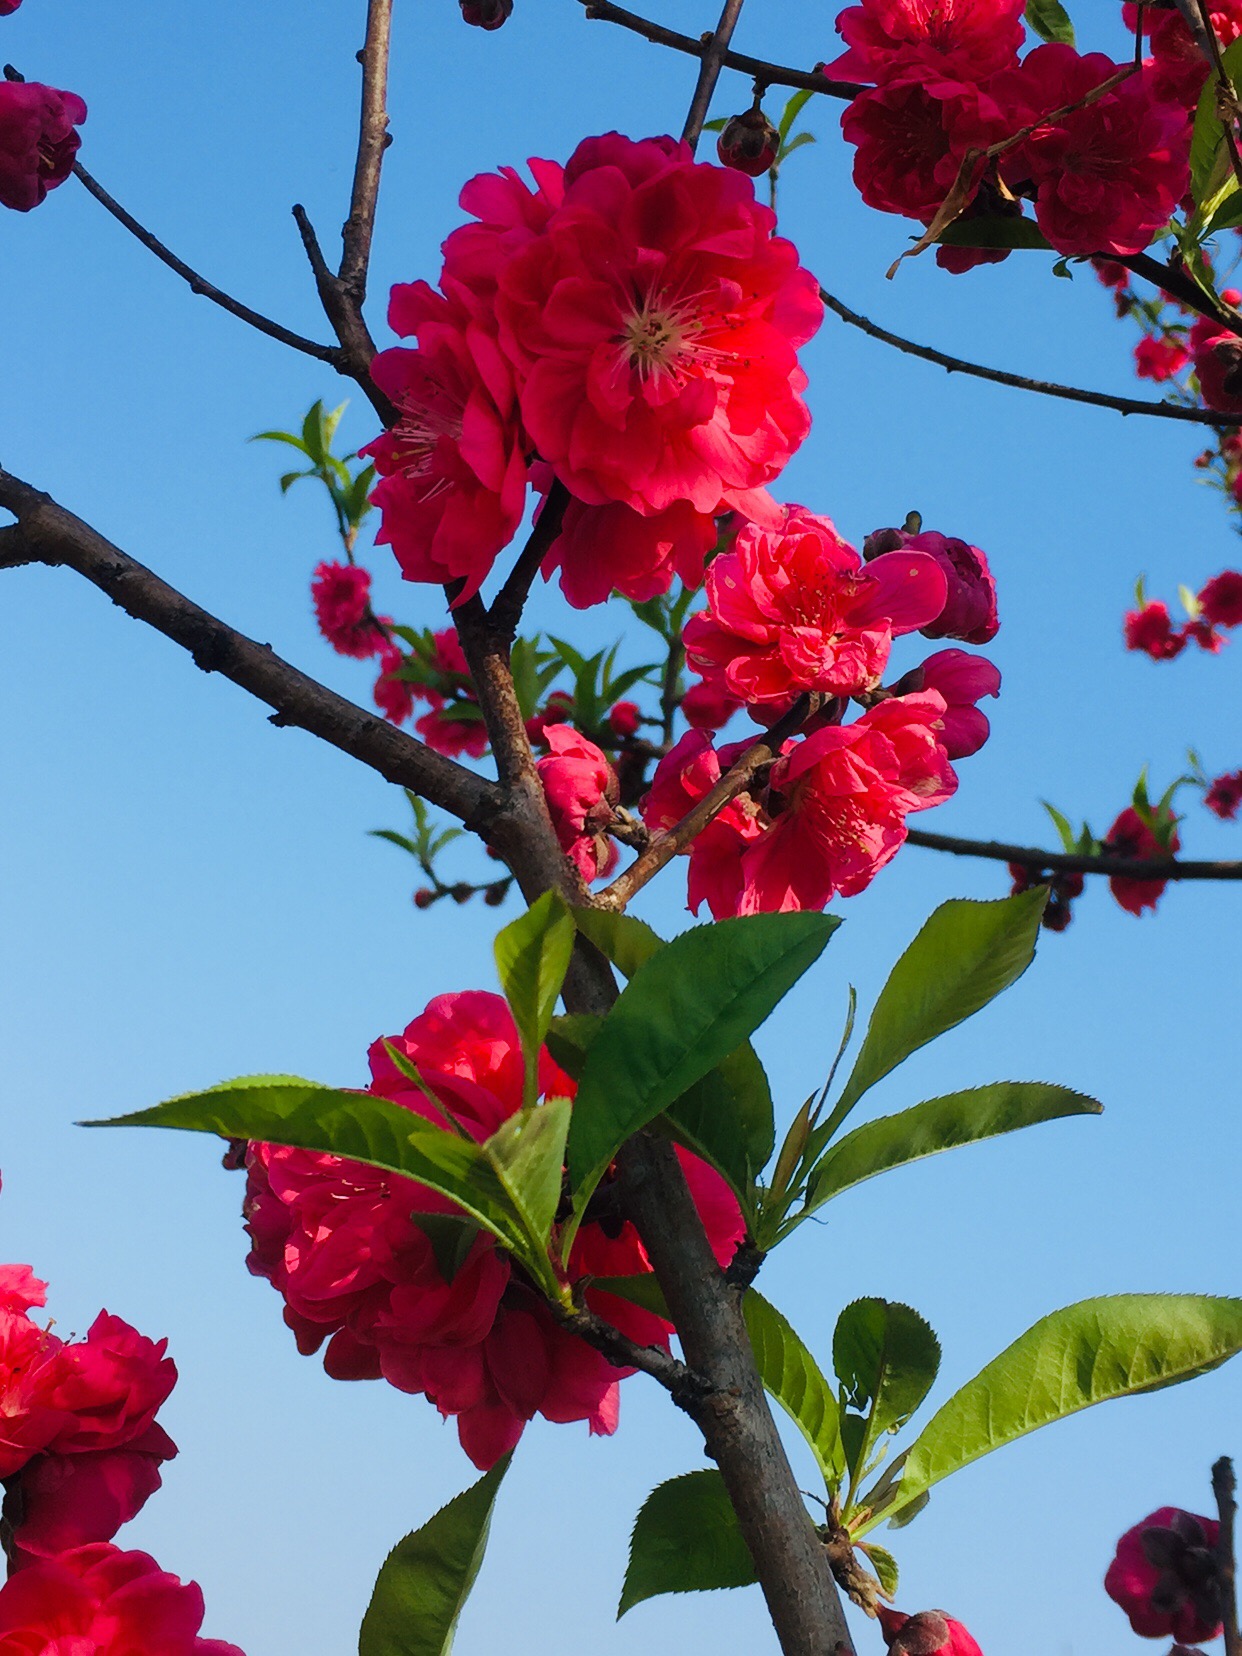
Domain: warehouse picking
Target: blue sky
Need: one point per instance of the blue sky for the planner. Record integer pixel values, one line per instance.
(187, 893)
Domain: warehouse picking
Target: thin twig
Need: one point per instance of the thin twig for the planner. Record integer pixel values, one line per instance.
(710, 64)
(1224, 1487)
(998, 376)
(1181, 287)
(46, 533)
(768, 74)
(510, 601)
(734, 781)
(623, 1352)
(357, 347)
(200, 284)
(1073, 862)
(373, 140)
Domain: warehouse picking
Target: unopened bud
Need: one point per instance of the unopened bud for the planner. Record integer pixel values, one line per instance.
(749, 143)
(486, 14)
(494, 895)
(424, 897)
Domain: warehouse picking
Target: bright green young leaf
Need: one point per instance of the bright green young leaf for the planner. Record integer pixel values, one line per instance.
(885, 1567)
(528, 1154)
(685, 1540)
(1211, 173)
(426, 1579)
(532, 957)
(793, 1377)
(687, 1008)
(287, 1110)
(963, 957)
(1050, 21)
(641, 1290)
(939, 1124)
(994, 232)
(886, 1357)
(797, 103)
(622, 938)
(1090, 1352)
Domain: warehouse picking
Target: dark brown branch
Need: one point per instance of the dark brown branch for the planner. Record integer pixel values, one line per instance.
(768, 74)
(623, 1352)
(678, 838)
(357, 350)
(373, 140)
(711, 62)
(1224, 1487)
(200, 284)
(510, 601)
(1071, 862)
(998, 376)
(46, 533)
(1181, 287)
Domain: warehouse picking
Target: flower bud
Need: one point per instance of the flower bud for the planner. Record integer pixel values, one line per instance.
(623, 719)
(486, 14)
(749, 143)
(930, 1633)
(424, 897)
(1166, 1577)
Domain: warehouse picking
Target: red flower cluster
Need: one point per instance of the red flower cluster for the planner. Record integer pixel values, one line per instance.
(1150, 630)
(1225, 795)
(631, 327)
(37, 140)
(383, 1270)
(945, 78)
(80, 1450)
(1131, 836)
(341, 594)
(100, 1601)
(794, 610)
(437, 674)
(1166, 1578)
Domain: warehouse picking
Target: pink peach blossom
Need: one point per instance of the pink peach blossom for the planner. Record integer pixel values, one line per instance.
(37, 141)
(653, 327)
(965, 40)
(797, 609)
(100, 1601)
(1164, 1577)
(581, 790)
(613, 548)
(962, 680)
(341, 595)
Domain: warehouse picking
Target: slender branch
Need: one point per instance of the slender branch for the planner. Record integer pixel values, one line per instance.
(768, 74)
(678, 838)
(1181, 287)
(510, 601)
(1071, 862)
(710, 64)
(200, 284)
(623, 1352)
(357, 350)
(998, 376)
(1224, 1487)
(373, 139)
(46, 533)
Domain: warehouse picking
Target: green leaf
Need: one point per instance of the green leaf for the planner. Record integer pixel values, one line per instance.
(886, 1357)
(963, 957)
(686, 1539)
(283, 437)
(528, 1154)
(727, 1118)
(532, 957)
(885, 1567)
(1211, 179)
(426, 1579)
(1087, 1353)
(1228, 215)
(792, 110)
(793, 1377)
(621, 938)
(1050, 21)
(939, 1124)
(569, 1039)
(394, 838)
(796, 143)
(641, 1290)
(451, 1236)
(313, 434)
(284, 1109)
(1008, 231)
(1062, 825)
(683, 1011)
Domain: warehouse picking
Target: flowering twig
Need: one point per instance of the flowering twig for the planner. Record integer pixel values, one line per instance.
(48, 534)
(373, 140)
(623, 1352)
(1072, 862)
(199, 284)
(999, 376)
(768, 74)
(1224, 1487)
(678, 838)
(710, 65)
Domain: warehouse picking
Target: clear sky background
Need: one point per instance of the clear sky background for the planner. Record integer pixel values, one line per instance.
(187, 893)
